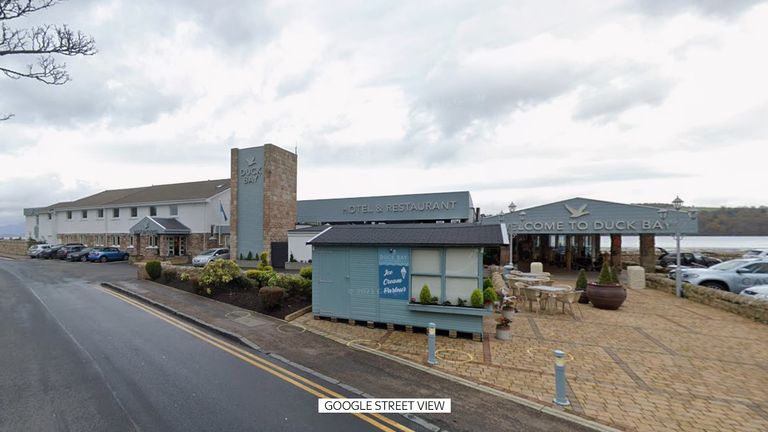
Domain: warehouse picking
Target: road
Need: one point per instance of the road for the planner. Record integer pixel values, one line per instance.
(77, 357)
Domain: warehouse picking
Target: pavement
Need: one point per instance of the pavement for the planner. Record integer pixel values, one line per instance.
(659, 363)
(80, 357)
(359, 370)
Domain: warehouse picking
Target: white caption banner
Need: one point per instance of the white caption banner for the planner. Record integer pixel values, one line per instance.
(401, 406)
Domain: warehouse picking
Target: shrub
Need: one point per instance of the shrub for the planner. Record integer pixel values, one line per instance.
(298, 285)
(292, 259)
(263, 259)
(306, 272)
(261, 277)
(154, 269)
(605, 274)
(184, 276)
(581, 280)
(487, 283)
(477, 298)
(271, 297)
(489, 295)
(278, 280)
(170, 275)
(614, 276)
(241, 282)
(249, 256)
(219, 273)
(425, 296)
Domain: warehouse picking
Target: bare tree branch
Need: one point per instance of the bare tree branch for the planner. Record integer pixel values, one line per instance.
(43, 41)
(5, 117)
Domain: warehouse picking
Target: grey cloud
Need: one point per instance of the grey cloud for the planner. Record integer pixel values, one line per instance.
(725, 8)
(749, 126)
(39, 191)
(605, 101)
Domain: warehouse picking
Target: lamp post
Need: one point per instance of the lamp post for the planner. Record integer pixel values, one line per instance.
(512, 232)
(677, 203)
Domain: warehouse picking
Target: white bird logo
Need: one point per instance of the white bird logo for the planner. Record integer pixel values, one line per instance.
(579, 212)
(251, 161)
(403, 272)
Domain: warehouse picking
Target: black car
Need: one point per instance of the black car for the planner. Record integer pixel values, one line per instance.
(50, 252)
(80, 255)
(68, 249)
(688, 259)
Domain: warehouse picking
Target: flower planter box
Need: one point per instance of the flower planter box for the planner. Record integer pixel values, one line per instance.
(454, 310)
(503, 333)
(608, 297)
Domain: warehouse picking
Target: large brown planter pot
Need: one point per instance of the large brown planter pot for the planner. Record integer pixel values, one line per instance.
(608, 297)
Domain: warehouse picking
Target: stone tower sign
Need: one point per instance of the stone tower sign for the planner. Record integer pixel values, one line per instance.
(263, 188)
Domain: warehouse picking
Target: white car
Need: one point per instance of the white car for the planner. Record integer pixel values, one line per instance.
(210, 255)
(758, 292)
(756, 253)
(36, 249)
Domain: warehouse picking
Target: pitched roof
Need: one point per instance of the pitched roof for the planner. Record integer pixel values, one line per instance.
(190, 191)
(156, 225)
(412, 235)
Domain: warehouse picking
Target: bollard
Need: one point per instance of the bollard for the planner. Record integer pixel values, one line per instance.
(431, 359)
(560, 395)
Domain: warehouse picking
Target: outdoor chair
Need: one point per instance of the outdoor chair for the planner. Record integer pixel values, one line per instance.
(568, 287)
(570, 298)
(531, 296)
(519, 286)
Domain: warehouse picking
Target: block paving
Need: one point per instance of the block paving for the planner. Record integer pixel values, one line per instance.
(657, 364)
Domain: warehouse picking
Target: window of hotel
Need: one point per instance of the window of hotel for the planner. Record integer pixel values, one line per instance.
(50, 216)
(174, 210)
(134, 211)
(100, 213)
(69, 215)
(131, 240)
(115, 212)
(85, 214)
(426, 269)
(153, 241)
(115, 240)
(153, 211)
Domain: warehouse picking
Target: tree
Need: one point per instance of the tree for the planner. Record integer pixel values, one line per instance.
(45, 41)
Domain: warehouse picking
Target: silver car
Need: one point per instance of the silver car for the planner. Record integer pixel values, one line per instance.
(734, 275)
(34, 250)
(210, 255)
(756, 292)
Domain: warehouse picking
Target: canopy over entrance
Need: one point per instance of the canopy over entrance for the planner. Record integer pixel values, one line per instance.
(159, 226)
(567, 233)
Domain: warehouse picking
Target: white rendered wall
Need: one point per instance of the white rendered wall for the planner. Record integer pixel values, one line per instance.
(297, 245)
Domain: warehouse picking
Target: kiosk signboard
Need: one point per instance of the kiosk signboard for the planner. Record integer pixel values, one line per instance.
(394, 273)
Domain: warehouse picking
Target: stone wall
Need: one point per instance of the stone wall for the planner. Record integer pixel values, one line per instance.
(279, 194)
(740, 305)
(14, 247)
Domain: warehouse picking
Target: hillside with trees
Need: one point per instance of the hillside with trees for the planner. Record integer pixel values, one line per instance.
(730, 221)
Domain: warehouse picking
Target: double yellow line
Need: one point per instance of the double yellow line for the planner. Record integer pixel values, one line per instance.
(375, 419)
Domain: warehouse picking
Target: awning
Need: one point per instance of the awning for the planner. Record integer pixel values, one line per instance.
(155, 225)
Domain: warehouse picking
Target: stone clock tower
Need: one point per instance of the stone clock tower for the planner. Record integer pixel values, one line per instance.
(263, 201)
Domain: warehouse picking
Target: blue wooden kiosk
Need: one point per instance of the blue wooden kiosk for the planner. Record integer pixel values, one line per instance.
(373, 273)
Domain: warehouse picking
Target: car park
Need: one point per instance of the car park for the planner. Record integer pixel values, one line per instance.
(688, 259)
(104, 254)
(35, 250)
(756, 253)
(81, 255)
(734, 275)
(210, 255)
(756, 292)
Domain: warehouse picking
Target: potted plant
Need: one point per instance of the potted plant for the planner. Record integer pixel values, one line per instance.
(581, 285)
(605, 293)
(425, 296)
(503, 331)
(489, 296)
(476, 299)
(509, 309)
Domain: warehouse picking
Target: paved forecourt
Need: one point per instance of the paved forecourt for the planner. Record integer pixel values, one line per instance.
(658, 363)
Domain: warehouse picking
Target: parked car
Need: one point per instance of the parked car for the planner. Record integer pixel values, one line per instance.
(50, 252)
(687, 259)
(734, 275)
(756, 253)
(104, 254)
(758, 292)
(210, 255)
(34, 250)
(80, 255)
(66, 250)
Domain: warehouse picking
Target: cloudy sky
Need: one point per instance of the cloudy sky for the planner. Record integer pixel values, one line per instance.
(532, 101)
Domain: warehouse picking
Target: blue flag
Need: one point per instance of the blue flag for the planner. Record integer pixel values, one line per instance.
(223, 213)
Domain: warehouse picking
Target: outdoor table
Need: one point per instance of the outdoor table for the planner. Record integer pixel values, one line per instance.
(528, 280)
(550, 291)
